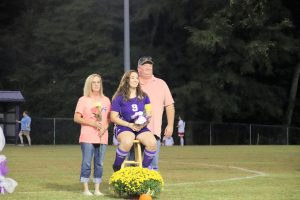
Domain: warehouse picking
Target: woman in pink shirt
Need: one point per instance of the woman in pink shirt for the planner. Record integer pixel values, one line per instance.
(92, 112)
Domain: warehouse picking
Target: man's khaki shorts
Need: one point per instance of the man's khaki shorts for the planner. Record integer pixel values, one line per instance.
(24, 132)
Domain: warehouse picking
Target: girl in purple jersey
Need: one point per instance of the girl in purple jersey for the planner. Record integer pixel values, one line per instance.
(128, 100)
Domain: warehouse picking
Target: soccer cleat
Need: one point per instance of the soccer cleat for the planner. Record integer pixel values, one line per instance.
(116, 168)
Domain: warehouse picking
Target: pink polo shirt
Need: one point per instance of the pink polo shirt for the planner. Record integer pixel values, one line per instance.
(160, 96)
(85, 107)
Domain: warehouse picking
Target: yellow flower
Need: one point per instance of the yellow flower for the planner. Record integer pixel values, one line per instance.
(132, 181)
(97, 110)
(148, 108)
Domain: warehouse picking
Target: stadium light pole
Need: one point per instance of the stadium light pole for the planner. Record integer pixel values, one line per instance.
(126, 37)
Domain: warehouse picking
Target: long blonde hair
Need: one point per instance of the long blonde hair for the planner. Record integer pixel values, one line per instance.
(87, 89)
(124, 87)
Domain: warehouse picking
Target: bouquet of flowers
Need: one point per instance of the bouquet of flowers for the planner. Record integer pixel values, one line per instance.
(135, 181)
(97, 111)
(142, 117)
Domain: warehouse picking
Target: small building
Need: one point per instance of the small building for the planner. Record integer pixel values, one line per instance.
(10, 112)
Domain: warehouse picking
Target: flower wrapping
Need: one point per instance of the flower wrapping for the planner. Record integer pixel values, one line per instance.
(3, 166)
(142, 117)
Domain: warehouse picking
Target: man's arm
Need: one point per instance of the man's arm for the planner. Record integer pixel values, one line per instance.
(170, 112)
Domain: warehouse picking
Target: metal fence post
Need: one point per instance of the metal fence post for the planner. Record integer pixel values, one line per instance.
(287, 135)
(54, 128)
(250, 133)
(210, 137)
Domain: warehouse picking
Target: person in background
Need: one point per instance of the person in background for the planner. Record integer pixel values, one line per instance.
(129, 108)
(25, 128)
(168, 141)
(92, 113)
(181, 128)
(161, 99)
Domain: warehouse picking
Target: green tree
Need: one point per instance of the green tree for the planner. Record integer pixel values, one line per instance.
(159, 30)
(67, 42)
(242, 52)
(224, 61)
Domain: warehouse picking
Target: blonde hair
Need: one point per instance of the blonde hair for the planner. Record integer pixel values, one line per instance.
(87, 89)
(124, 86)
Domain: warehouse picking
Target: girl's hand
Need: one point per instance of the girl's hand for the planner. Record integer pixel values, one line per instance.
(134, 127)
(138, 127)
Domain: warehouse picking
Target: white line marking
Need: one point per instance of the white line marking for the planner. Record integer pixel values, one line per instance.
(254, 172)
(55, 191)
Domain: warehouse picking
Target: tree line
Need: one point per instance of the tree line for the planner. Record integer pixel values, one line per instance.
(225, 61)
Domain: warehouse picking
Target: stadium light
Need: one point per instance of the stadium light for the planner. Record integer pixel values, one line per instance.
(126, 37)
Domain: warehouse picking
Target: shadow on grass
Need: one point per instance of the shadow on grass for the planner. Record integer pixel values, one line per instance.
(63, 187)
(77, 187)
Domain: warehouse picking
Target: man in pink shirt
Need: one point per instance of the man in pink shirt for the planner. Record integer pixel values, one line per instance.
(161, 99)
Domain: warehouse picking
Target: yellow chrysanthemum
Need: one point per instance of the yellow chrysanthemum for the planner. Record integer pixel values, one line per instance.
(131, 181)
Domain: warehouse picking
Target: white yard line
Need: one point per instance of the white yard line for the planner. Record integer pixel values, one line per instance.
(254, 172)
(49, 191)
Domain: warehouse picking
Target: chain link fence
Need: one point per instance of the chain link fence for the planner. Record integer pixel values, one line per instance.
(240, 134)
(65, 131)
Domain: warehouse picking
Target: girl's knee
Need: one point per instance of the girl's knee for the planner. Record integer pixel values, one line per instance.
(152, 145)
(126, 144)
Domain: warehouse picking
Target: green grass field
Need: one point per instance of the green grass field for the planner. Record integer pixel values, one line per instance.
(190, 172)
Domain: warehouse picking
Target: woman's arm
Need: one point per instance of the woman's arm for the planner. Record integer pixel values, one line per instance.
(114, 117)
(78, 119)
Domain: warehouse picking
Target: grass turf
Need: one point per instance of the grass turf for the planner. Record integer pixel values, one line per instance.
(189, 172)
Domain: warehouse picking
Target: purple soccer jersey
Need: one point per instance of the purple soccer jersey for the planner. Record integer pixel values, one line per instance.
(127, 109)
